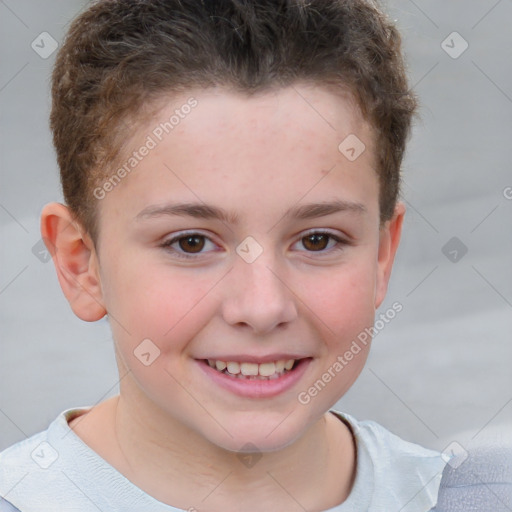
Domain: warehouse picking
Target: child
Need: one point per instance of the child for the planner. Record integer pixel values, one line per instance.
(231, 173)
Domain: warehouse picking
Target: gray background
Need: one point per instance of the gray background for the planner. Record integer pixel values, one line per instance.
(440, 371)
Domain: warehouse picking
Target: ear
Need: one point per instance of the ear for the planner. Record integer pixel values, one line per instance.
(75, 261)
(389, 239)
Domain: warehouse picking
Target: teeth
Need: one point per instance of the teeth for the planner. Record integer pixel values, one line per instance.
(220, 365)
(271, 370)
(233, 367)
(288, 365)
(280, 366)
(267, 369)
(249, 368)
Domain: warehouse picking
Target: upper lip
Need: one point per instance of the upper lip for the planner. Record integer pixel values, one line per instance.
(255, 359)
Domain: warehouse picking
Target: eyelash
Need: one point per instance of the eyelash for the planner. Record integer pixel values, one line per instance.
(341, 243)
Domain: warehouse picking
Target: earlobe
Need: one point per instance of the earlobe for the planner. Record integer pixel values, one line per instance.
(75, 261)
(388, 244)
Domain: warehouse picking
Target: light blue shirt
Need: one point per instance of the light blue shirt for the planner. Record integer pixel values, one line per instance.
(55, 471)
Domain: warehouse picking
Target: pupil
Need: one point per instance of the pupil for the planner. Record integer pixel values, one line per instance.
(315, 238)
(196, 247)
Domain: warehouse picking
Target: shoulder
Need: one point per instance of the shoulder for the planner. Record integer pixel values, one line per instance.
(401, 471)
(17, 464)
(6, 506)
(55, 471)
(479, 478)
(31, 476)
(380, 440)
(19, 458)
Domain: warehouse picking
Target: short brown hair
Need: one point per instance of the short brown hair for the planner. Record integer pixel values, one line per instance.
(120, 55)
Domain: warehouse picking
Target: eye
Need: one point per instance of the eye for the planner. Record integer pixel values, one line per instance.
(190, 243)
(317, 241)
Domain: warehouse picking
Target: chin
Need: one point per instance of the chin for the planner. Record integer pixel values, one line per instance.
(248, 435)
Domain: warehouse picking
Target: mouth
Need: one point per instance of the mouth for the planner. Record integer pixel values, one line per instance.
(253, 371)
(256, 380)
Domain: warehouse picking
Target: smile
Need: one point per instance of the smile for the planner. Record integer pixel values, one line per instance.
(255, 380)
(253, 371)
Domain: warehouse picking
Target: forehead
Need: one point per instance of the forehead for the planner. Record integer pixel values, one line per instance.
(323, 102)
(276, 144)
(311, 114)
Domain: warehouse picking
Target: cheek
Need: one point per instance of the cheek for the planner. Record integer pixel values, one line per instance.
(344, 314)
(169, 309)
(343, 300)
(161, 304)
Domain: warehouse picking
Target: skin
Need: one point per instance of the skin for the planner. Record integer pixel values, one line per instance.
(172, 431)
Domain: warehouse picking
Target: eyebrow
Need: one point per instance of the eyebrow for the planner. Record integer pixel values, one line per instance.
(205, 211)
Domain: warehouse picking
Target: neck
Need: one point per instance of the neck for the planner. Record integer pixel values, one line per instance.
(176, 466)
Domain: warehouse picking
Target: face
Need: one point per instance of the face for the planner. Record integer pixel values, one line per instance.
(250, 275)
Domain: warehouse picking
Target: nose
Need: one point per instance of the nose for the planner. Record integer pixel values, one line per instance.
(257, 295)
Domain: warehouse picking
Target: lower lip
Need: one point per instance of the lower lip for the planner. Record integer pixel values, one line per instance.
(256, 388)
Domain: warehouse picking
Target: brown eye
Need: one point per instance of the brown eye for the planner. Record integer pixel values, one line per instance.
(192, 243)
(324, 243)
(316, 241)
(188, 245)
